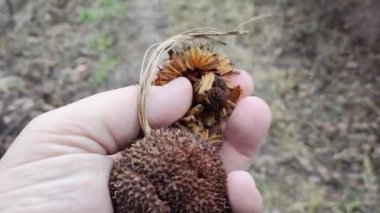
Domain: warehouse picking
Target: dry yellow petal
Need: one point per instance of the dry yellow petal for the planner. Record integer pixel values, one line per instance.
(206, 82)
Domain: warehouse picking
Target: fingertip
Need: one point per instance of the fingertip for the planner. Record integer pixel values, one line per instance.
(168, 103)
(245, 132)
(249, 124)
(243, 193)
(261, 109)
(245, 81)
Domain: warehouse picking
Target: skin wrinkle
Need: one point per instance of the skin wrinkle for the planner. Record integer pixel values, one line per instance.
(33, 185)
(244, 160)
(73, 128)
(36, 207)
(113, 138)
(48, 160)
(134, 125)
(43, 155)
(81, 142)
(46, 148)
(46, 199)
(67, 187)
(112, 99)
(105, 139)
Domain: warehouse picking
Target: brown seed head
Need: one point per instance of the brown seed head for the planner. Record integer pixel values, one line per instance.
(172, 170)
(214, 95)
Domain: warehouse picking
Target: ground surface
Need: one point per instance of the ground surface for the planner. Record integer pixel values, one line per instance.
(317, 63)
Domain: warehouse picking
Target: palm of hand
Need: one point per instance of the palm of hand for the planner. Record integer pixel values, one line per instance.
(68, 183)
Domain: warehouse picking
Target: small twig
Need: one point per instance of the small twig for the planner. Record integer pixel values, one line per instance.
(255, 19)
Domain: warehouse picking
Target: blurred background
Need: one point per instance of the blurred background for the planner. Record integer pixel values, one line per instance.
(317, 64)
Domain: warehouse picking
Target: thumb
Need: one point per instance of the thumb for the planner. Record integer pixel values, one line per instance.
(117, 111)
(103, 123)
(169, 103)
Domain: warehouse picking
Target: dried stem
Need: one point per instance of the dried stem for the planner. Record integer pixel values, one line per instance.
(255, 19)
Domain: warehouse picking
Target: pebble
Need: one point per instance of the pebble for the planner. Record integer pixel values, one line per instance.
(11, 83)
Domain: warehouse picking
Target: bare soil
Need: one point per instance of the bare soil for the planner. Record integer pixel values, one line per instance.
(317, 63)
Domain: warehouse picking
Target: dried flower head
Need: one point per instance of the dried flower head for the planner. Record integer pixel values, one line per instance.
(214, 95)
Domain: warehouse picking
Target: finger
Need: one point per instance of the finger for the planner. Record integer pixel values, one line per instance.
(245, 131)
(103, 123)
(245, 81)
(242, 193)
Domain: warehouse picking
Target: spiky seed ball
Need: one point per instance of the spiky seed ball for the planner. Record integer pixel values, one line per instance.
(171, 170)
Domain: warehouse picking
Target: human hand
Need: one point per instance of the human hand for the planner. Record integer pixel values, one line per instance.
(62, 160)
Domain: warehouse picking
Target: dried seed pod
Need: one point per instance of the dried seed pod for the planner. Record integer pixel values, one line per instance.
(178, 169)
(171, 170)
